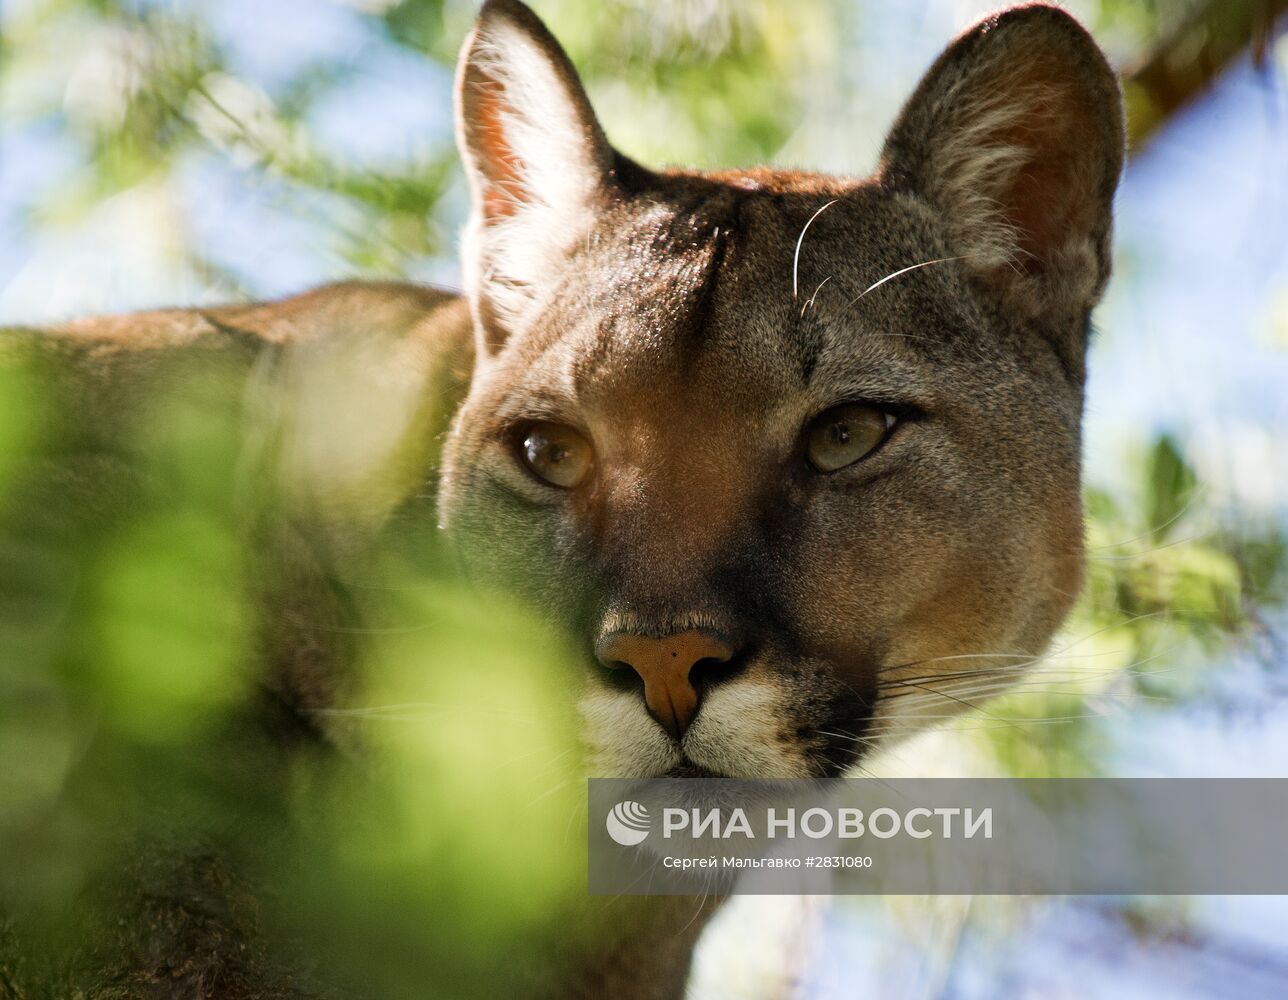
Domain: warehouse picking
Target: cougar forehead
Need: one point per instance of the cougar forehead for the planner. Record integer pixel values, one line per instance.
(724, 297)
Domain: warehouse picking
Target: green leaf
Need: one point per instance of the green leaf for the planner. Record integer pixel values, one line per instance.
(1169, 487)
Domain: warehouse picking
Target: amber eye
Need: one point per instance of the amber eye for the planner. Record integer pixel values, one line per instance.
(844, 434)
(556, 454)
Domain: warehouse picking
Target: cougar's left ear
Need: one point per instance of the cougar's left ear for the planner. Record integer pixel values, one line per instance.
(536, 158)
(1015, 137)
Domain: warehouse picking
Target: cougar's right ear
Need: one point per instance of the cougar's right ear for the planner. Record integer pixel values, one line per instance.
(537, 162)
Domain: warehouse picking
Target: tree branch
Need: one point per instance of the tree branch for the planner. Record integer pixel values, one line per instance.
(1186, 63)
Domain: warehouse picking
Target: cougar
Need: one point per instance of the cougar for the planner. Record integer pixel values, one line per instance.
(791, 457)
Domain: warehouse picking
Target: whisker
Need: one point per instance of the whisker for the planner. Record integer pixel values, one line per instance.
(548, 758)
(796, 257)
(1055, 720)
(1062, 651)
(844, 736)
(1127, 557)
(810, 302)
(948, 696)
(1024, 670)
(966, 691)
(1151, 531)
(957, 656)
(1074, 679)
(890, 277)
(1009, 691)
(550, 791)
(1038, 691)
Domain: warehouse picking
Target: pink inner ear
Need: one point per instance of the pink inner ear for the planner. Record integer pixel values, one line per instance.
(500, 165)
(1053, 196)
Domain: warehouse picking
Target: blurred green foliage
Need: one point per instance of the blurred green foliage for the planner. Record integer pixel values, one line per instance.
(709, 84)
(150, 778)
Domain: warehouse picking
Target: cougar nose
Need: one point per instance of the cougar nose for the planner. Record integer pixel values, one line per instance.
(665, 666)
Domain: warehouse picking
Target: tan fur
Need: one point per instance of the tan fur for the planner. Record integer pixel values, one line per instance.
(691, 329)
(694, 326)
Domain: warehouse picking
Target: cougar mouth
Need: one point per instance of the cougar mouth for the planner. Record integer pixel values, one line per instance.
(687, 769)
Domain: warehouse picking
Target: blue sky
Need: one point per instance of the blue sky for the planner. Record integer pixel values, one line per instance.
(1187, 337)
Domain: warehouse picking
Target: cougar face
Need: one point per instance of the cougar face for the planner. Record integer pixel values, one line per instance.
(795, 458)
